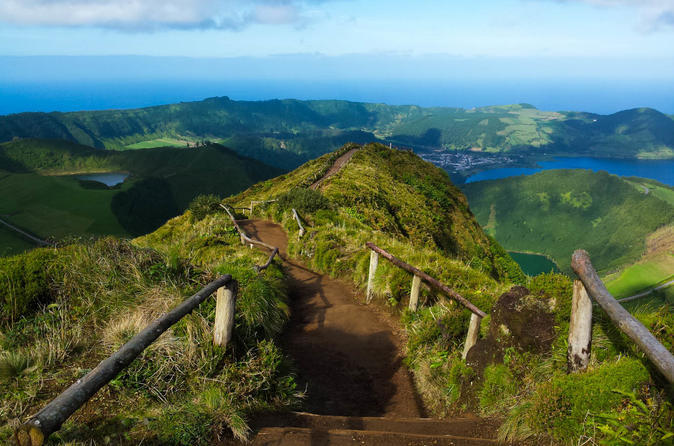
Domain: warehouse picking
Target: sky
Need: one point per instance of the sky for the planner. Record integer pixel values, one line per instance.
(635, 29)
(445, 40)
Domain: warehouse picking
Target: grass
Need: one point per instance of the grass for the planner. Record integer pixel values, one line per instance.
(654, 268)
(287, 133)
(159, 142)
(12, 243)
(58, 207)
(662, 191)
(37, 196)
(558, 211)
(182, 389)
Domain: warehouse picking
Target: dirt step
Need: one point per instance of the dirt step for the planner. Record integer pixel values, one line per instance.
(295, 436)
(463, 427)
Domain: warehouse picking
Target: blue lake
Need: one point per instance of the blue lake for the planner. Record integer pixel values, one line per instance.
(533, 264)
(660, 170)
(109, 179)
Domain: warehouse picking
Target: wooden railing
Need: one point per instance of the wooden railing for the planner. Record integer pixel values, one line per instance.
(246, 239)
(299, 223)
(580, 330)
(476, 316)
(48, 420)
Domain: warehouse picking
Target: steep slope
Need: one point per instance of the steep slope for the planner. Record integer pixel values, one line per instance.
(289, 132)
(555, 212)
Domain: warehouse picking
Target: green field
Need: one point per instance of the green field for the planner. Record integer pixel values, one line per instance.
(159, 142)
(12, 243)
(558, 211)
(662, 191)
(642, 276)
(57, 207)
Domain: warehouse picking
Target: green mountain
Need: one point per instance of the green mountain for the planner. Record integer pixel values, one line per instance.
(555, 212)
(288, 132)
(39, 192)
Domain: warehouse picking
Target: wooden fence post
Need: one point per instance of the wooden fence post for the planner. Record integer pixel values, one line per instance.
(224, 315)
(473, 333)
(414, 293)
(580, 329)
(374, 261)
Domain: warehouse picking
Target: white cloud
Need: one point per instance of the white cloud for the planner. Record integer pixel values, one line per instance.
(155, 14)
(652, 14)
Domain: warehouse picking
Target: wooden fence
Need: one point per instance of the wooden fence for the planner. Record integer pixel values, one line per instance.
(580, 330)
(476, 316)
(48, 420)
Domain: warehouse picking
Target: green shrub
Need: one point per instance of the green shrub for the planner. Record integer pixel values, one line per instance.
(499, 384)
(644, 422)
(26, 281)
(303, 200)
(204, 205)
(561, 405)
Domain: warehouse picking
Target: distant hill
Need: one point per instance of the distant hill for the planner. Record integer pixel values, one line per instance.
(39, 193)
(289, 132)
(558, 211)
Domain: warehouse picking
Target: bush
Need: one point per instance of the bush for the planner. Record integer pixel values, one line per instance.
(304, 200)
(561, 405)
(499, 384)
(26, 282)
(204, 205)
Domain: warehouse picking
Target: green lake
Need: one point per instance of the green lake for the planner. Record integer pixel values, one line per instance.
(533, 264)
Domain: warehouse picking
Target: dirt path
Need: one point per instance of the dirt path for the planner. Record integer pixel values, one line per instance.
(336, 167)
(347, 355)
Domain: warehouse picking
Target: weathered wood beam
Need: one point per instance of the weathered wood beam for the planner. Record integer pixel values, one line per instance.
(299, 223)
(414, 293)
(656, 352)
(244, 237)
(225, 308)
(473, 334)
(374, 262)
(428, 279)
(266, 265)
(53, 415)
(580, 329)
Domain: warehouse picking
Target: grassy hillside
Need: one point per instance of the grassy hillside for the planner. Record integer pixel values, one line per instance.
(289, 132)
(38, 192)
(555, 212)
(65, 309)
(655, 267)
(380, 193)
(185, 392)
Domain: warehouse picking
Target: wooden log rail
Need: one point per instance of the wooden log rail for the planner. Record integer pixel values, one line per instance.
(299, 223)
(476, 316)
(48, 420)
(253, 203)
(246, 239)
(628, 324)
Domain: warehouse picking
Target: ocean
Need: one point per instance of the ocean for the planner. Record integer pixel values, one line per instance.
(590, 96)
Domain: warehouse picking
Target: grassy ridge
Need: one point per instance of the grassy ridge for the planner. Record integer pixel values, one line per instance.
(289, 132)
(556, 212)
